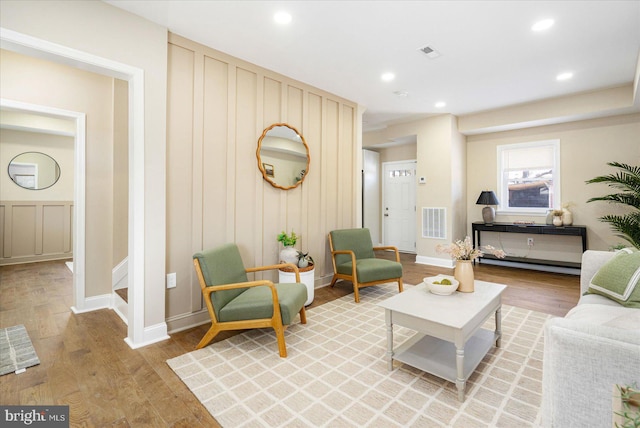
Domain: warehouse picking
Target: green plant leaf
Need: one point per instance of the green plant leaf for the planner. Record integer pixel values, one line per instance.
(628, 181)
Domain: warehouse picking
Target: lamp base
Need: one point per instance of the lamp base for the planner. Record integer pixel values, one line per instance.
(488, 214)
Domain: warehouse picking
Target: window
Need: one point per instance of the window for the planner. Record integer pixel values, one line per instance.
(400, 173)
(529, 177)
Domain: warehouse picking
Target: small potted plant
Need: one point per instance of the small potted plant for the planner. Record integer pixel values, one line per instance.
(288, 253)
(306, 270)
(304, 260)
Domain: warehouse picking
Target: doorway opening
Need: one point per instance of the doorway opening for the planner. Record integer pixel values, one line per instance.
(389, 192)
(79, 121)
(31, 46)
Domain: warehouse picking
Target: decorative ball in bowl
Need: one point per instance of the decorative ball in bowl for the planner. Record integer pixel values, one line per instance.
(441, 284)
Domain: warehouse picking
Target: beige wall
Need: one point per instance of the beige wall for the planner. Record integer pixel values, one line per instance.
(585, 148)
(61, 148)
(614, 101)
(440, 152)
(41, 82)
(398, 153)
(100, 29)
(218, 107)
(458, 168)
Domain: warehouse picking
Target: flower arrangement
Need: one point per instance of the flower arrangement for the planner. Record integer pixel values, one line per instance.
(463, 250)
(288, 240)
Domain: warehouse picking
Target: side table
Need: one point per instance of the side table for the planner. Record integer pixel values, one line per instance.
(306, 277)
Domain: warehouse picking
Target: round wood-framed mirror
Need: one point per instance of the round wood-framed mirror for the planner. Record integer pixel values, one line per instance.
(283, 156)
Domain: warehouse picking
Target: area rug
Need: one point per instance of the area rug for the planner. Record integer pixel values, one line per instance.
(16, 350)
(336, 374)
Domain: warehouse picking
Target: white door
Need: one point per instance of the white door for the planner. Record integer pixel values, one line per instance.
(399, 205)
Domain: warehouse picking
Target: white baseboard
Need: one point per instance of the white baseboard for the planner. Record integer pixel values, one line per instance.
(93, 304)
(187, 321)
(446, 263)
(152, 334)
(532, 266)
(435, 261)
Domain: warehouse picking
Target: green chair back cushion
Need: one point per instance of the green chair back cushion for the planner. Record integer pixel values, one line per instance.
(356, 240)
(222, 265)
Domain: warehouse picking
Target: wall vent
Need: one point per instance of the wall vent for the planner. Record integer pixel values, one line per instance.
(434, 223)
(430, 52)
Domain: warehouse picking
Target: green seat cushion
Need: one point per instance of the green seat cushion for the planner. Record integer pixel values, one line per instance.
(369, 270)
(256, 303)
(619, 279)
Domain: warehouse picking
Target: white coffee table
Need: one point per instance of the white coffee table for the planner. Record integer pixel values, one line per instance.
(449, 342)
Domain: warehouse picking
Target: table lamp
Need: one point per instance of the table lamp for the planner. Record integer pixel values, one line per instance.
(487, 197)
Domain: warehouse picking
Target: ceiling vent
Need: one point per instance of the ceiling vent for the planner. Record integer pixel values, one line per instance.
(430, 52)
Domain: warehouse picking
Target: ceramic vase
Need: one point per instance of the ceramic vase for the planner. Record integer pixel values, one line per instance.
(289, 255)
(557, 220)
(303, 263)
(464, 274)
(549, 219)
(567, 217)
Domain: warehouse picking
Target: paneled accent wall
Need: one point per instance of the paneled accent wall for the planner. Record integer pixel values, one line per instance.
(35, 231)
(218, 107)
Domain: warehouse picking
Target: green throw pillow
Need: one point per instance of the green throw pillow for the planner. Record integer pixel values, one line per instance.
(619, 278)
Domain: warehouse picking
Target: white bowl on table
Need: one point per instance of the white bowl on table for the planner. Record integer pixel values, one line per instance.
(440, 289)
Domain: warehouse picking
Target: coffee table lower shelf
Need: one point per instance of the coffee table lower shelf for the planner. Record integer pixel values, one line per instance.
(438, 357)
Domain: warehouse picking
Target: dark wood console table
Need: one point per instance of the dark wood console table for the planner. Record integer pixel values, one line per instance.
(478, 227)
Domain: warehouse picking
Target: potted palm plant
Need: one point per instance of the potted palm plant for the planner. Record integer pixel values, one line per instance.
(627, 180)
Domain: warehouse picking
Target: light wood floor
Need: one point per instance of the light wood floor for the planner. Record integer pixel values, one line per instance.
(85, 363)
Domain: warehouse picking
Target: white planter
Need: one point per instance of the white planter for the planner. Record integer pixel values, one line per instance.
(289, 255)
(307, 278)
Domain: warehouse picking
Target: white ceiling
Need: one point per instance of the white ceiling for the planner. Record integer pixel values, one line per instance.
(490, 58)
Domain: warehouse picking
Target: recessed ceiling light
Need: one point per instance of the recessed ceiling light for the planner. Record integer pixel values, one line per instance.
(545, 24)
(282, 17)
(564, 76)
(388, 77)
(440, 104)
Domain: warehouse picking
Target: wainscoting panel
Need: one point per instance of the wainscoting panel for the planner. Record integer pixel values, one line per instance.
(33, 231)
(218, 107)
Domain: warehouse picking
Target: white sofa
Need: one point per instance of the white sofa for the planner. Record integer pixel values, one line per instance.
(594, 347)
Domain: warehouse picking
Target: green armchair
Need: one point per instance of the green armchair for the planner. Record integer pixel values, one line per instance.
(235, 303)
(353, 257)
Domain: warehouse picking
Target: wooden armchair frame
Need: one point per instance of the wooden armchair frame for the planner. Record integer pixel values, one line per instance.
(274, 322)
(353, 277)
